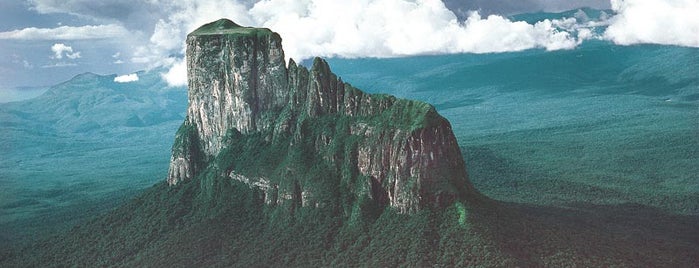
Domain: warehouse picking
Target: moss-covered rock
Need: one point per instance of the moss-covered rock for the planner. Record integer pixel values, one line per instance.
(304, 136)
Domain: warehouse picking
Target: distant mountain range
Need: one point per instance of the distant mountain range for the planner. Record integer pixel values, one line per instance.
(81, 146)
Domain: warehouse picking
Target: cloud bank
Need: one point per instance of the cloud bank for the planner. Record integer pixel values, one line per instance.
(667, 22)
(386, 28)
(363, 28)
(381, 28)
(67, 33)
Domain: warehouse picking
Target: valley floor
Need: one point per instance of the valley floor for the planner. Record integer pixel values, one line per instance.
(487, 234)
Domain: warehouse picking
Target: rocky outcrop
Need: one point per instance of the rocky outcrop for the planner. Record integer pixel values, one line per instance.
(304, 137)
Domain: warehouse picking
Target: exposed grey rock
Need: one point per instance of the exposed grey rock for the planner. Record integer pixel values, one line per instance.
(403, 152)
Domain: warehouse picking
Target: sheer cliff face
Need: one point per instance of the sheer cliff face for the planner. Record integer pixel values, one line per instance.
(234, 78)
(303, 137)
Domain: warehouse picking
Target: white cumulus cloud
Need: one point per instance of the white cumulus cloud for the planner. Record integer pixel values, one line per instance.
(67, 33)
(60, 49)
(127, 78)
(177, 74)
(381, 28)
(385, 28)
(667, 22)
(363, 28)
(184, 16)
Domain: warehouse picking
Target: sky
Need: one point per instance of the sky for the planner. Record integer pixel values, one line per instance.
(44, 42)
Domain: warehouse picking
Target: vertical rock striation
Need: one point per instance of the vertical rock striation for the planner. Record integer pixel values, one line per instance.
(235, 75)
(304, 137)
